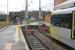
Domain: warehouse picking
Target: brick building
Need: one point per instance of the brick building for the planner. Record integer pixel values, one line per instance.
(57, 2)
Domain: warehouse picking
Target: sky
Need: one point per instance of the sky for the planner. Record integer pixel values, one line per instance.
(18, 5)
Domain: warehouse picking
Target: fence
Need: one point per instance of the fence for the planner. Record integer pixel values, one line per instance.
(4, 24)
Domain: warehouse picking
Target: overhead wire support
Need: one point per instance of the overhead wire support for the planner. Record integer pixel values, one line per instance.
(7, 13)
(26, 16)
(39, 12)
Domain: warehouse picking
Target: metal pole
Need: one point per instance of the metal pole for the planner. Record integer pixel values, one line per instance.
(39, 11)
(7, 13)
(26, 16)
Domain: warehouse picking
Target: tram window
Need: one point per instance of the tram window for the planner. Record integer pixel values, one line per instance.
(56, 20)
(66, 21)
(62, 20)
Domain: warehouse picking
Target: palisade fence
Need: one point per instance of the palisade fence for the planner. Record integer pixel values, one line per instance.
(4, 24)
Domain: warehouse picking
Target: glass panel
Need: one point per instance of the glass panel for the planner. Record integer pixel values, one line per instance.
(62, 20)
(56, 20)
(66, 21)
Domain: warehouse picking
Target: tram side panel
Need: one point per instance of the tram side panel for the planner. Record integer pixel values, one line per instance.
(61, 27)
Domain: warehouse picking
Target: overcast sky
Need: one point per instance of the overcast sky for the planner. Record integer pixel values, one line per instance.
(17, 5)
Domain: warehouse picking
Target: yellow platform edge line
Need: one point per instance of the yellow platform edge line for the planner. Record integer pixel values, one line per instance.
(17, 32)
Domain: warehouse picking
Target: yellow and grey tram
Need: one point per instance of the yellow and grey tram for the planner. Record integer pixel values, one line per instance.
(63, 26)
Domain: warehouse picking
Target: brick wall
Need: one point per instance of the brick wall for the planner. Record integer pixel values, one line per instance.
(47, 18)
(56, 2)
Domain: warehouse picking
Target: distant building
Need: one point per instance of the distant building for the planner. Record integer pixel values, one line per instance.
(20, 14)
(3, 17)
(32, 14)
(57, 2)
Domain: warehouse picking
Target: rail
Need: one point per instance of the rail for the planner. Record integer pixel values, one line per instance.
(35, 43)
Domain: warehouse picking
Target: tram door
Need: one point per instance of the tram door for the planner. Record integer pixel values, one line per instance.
(73, 26)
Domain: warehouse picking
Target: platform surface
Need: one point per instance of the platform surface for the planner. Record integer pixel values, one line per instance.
(8, 39)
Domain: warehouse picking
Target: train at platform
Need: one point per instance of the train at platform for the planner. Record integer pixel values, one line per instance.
(62, 26)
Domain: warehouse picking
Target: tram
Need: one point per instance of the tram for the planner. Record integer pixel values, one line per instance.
(33, 26)
(63, 26)
(44, 28)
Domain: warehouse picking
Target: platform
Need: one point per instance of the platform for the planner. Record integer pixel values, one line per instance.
(8, 39)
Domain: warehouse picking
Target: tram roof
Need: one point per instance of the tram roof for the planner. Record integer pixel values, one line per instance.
(64, 11)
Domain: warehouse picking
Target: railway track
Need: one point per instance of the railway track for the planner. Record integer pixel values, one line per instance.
(38, 41)
(57, 43)
(35, 43)
(48, 42)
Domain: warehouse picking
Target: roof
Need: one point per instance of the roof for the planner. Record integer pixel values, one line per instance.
(64, 11)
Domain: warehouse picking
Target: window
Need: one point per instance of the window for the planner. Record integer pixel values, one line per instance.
(66, 21)
(62, 20)
(56, 20)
